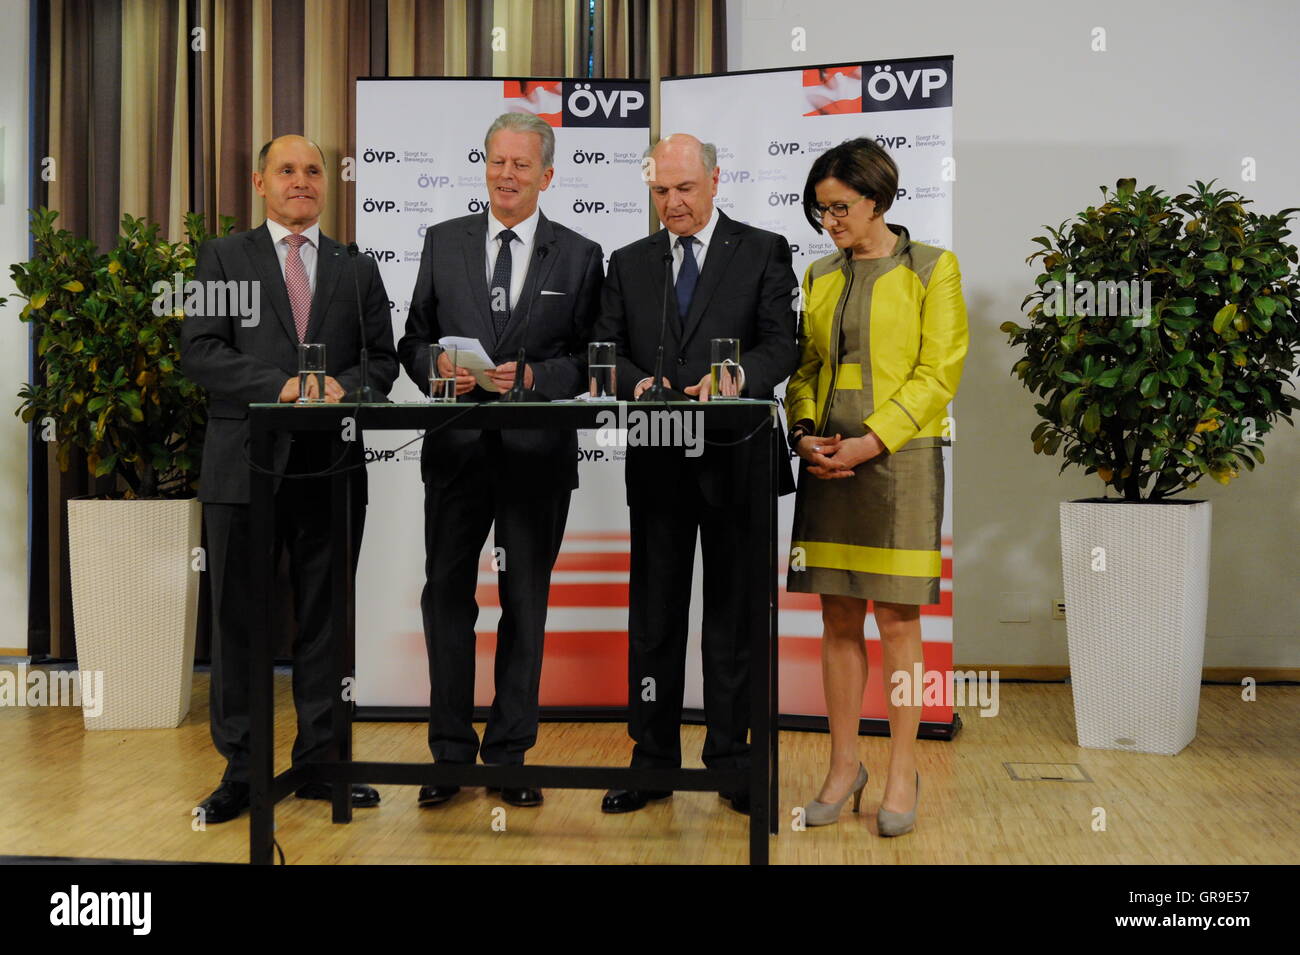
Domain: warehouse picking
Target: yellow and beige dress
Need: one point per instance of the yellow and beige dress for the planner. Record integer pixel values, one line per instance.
(882, 342)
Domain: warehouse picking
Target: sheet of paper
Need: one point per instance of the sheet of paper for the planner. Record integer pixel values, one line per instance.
(471, 354)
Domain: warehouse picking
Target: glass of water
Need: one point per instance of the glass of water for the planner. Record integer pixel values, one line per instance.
(601, 368)
(311, 374)
(724, 368)
(442, 386)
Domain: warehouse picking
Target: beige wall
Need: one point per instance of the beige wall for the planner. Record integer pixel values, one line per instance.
(14, 91)
(1184, 92)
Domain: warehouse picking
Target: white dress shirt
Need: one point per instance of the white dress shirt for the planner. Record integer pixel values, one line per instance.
(521, 251)
(307, 251)
(699, 249)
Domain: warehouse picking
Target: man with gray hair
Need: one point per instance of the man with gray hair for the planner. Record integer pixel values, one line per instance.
(729, 280)
(511, 278)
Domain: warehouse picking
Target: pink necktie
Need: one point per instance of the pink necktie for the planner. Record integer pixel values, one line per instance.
(295, 280)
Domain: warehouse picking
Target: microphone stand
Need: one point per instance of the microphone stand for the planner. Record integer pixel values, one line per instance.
(363, 393)
(518, 393)
(656, 391)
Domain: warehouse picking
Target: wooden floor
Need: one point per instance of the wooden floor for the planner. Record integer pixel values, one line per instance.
(1230, 797)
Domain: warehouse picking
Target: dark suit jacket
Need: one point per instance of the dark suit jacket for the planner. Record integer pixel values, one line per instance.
(451, 298)
(745, 291)
(239, 366)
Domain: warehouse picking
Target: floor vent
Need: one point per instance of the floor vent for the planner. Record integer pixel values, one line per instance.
(1048, 772)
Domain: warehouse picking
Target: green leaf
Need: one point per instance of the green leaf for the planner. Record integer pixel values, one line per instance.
(1092, 419)
(1109, 377)
(1216, 261)
(1150, 385)
(1223, 317)
(1070, 403)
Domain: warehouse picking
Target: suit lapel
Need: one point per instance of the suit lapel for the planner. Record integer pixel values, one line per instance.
(329, 264)
(261, 252)
(534, 279)
(476, 272)
(725, 240)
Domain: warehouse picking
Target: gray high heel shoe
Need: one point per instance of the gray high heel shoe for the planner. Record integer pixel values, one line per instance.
(889, 823)
(824, 813)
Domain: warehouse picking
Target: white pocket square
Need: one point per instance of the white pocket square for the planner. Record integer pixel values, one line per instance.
(544, 292)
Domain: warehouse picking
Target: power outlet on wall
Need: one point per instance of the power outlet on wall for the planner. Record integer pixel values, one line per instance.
(1058, 609)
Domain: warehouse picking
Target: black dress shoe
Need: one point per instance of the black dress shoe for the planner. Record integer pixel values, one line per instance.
(518, 797)
(363, 797)
(739, 801)
(435, 795)
(226, 802)
(630, 800)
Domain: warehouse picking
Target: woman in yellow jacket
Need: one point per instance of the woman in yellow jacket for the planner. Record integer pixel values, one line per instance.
(882, 339)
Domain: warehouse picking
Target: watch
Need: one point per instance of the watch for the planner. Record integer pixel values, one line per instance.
(800, 429)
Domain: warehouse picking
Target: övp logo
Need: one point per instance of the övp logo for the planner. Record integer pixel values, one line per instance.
(908, 84)
(379, 155)
(592, 206)
(606, 103)
(379, 205)
(382, 255)
(734, 175)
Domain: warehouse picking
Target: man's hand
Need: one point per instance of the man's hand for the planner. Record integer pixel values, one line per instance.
(464, 377)
(333, 391)
(503, 376)
(645, 383)
(701, 389)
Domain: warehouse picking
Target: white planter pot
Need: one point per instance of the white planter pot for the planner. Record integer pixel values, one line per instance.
(135, 604)
(1137, 628)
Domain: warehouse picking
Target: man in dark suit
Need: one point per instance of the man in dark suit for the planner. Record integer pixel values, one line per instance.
(306, 286)
(509, 278)
(729, 281)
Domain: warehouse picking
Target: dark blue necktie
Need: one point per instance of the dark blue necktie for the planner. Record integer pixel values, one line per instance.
(499, 292)
(687, 276)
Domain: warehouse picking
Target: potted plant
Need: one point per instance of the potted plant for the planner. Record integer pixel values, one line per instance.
(112, 388)
(1162, 335)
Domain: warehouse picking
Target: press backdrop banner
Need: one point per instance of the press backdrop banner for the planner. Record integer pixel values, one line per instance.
(769, 127)
(420, 161)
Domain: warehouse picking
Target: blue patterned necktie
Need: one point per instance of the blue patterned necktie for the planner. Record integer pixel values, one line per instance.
(687, 276)
(499, 292)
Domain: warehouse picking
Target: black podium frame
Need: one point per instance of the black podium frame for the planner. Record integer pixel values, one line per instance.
(737, 419)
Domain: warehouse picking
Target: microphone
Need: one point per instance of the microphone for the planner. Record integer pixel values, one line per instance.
(656, 391)
(517, 391)
(362, 393)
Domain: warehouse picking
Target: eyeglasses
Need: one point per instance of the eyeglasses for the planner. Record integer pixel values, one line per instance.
(838, 210)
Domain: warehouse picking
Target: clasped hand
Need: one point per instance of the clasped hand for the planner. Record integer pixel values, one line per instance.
(835, 457)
